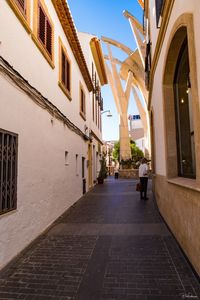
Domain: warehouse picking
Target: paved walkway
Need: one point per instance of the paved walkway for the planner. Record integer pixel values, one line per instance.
(109, 245)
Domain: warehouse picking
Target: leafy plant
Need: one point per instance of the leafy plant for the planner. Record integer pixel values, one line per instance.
(103, 168)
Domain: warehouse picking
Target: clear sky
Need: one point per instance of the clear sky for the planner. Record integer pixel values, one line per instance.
(105, 18)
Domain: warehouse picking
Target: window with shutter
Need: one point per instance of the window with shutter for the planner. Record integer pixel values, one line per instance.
(67, 75)
(41, 31)
(48, 37)
(82, 103)
(65, 70)
(45, 32)
(22, 5)
(21, 9)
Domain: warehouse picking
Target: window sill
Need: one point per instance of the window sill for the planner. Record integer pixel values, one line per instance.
(42, 50)
(186, 183)
(7, 214)
(83, 115)
(65, 91)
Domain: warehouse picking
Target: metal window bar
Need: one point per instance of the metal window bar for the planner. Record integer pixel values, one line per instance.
(8, 171)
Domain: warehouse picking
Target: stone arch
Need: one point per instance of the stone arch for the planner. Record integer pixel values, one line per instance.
(182, 29)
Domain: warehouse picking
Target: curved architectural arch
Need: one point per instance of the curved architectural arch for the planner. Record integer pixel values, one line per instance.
(137, 30)
(132, 72)
(117, 44)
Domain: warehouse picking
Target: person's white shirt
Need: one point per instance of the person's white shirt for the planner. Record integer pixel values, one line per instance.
(143, 170)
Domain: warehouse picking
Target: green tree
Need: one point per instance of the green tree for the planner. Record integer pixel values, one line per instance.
(116, 151)
(136, 153)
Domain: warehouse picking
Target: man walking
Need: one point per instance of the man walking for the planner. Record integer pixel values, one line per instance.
(143, 174)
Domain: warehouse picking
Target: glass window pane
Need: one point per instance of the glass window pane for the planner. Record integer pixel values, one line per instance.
(184, 119)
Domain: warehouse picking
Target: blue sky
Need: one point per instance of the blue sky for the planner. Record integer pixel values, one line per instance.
(105, 18)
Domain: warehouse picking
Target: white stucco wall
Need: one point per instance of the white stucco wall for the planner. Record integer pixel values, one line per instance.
(180, 7)
(85, 39)
(46, 186)
(19, 49)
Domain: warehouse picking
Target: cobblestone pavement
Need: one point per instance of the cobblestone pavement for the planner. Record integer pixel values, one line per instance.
(109, 245)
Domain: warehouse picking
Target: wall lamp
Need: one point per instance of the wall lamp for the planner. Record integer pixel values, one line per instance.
(108, 113)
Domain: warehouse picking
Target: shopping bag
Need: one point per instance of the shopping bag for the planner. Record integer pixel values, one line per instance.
(138, 187)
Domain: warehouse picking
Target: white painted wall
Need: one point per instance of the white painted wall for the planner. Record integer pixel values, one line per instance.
(85, 39)
(46, 186)
(19, 49)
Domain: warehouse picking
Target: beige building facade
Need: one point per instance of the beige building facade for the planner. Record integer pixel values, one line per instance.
(50, 120)
(172, 28)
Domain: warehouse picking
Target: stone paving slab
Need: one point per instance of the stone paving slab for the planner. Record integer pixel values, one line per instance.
(109, 229)
(108, 246)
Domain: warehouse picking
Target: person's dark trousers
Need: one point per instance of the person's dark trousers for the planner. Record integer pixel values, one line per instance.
(143, 192)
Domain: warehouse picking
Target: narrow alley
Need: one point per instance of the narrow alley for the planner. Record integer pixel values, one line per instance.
(108, 245)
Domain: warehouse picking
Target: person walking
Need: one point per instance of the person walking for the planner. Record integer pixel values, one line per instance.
(143, 175)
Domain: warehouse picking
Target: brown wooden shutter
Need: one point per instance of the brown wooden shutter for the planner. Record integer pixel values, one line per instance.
(63, 68)
(22, 5)
(41, 29)
(68, 75)
(48, 37)
(82, 101)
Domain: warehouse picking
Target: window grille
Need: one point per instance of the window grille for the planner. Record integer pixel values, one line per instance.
(45, 31)
(8, 171)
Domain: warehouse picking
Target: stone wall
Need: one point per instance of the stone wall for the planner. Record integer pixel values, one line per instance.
(180, 207)
(128, 173)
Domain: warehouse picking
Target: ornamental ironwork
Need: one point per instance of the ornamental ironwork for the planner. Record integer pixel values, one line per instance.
(8, 171)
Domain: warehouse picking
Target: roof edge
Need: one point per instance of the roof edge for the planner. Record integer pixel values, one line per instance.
(95, 46)
(66, 20)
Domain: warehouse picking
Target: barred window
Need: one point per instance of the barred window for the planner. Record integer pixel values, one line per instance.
(8, 171)
(45, 31)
